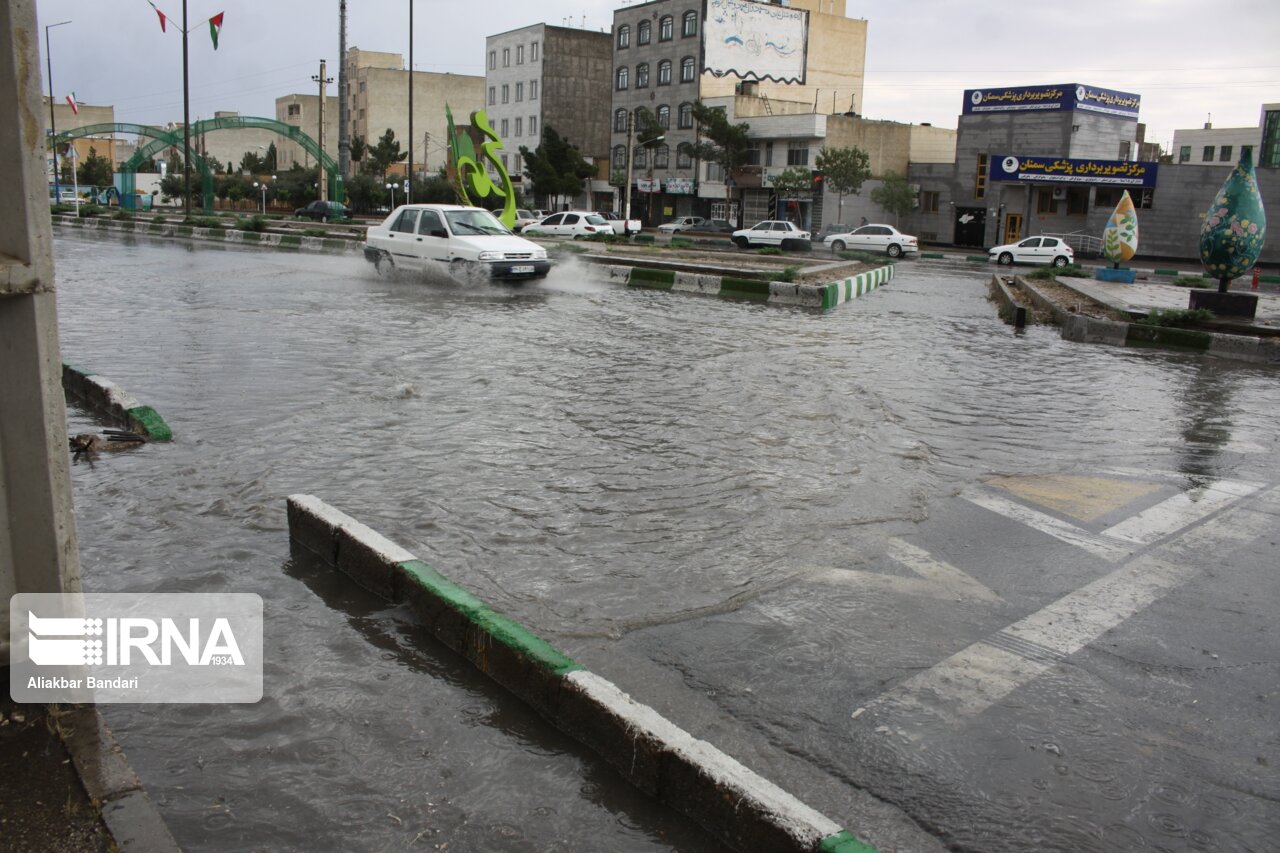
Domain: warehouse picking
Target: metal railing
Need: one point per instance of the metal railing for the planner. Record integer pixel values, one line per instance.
(1081, 243)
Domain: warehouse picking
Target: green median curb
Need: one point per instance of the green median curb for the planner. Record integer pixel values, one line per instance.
(652, 279)
(934, 255)
(153, 426)
(1140, 335)
(844, 842)
(977, 258)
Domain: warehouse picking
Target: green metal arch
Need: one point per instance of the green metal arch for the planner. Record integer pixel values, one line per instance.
(161, 139)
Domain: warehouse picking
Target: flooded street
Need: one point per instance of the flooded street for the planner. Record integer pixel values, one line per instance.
(774, 526)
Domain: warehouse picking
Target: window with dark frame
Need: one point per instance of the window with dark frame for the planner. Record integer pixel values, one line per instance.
(661, 156)
(664, 72)
(621, 78)
(929, 200)
(642, 32)
(980, 180)
(1224, 154)
(685, 116)
(666, 28)
(1207, 155)
(690, 26)
(686, 70)
(642, 75)
(1077, 201)
(624, 37)
(664, 117)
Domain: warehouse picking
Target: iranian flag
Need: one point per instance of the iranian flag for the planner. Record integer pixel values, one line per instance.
(71, 99)
(161, 14)
(215, 27)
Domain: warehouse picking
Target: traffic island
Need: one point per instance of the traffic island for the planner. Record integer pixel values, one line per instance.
(105, 397)
(739, 807)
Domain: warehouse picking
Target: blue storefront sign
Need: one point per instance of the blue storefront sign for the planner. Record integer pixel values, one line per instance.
(1065, 96)
(1059, 170)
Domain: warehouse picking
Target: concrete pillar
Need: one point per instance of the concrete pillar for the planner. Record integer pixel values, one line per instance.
(38, 551)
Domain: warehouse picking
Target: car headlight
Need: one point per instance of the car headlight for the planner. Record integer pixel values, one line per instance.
(490, 256)
(540, 254)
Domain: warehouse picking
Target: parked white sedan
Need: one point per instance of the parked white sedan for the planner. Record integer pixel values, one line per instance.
(874, 238)
(772, 232)
(1034, 250)
(684, 223)
(570, 223)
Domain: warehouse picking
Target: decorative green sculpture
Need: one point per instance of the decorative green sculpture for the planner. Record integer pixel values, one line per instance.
(1235, 226)
(468, 176)
(1120, 237)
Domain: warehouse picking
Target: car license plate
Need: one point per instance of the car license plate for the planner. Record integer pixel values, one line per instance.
(522, 268)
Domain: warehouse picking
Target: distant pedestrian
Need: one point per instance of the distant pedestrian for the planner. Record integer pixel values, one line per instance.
(863, 222)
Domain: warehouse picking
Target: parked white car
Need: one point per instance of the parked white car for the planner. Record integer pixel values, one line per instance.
(463, 241)
(524, 218)
(684, 223)
(773, 232)
(874, 238)
(1034, 250)
(571, 223)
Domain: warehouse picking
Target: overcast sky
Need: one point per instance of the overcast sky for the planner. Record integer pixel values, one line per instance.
(921, 54)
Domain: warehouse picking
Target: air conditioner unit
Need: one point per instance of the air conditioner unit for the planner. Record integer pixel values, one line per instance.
(1059, 193)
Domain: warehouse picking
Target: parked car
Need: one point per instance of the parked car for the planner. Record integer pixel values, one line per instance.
(772, 232)
(717, 226)
(571, 223)
(684, 223)
(874, 238)
(834, 228)
(525, 218)
(625, 227)
(328, 211)
(1034, 250)
(463, 241)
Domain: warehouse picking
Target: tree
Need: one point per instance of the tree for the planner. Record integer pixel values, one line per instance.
(94, 170)
(386, 152)
(253, 164)
(843, 170)
(364, 193)
(555, 167)
(270, 160)
(358, 149)
(720, 142)
(792, 182)
(894, 195)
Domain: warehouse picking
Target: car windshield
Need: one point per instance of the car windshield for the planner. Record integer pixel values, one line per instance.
(593, 219)
(474, 222)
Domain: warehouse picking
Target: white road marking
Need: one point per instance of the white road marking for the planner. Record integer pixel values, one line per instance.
(934, 578)
(1102, 546)
(971, 680)
(1172, 515)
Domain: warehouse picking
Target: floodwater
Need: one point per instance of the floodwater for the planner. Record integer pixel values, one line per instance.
(594, 461)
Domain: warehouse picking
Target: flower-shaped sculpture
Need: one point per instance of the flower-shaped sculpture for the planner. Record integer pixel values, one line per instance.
(1235, 226)
(1120, 237)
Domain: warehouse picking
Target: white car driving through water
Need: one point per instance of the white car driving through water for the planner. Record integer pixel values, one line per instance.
(462, 241)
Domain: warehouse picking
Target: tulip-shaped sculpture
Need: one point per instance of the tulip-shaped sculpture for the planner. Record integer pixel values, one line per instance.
(1120, 241)
(1235, 226)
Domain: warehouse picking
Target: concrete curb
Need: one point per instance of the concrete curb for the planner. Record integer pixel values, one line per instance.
(1076, 327)
(1009, 308)
(113, 227)
(821, 297)
(128, 813)
(112, 400)
(741, 808)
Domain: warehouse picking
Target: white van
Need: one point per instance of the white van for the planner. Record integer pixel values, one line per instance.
(461, 241)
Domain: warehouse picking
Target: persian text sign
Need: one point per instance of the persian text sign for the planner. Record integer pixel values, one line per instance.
(1058, 170)
(1066, 96)
(157, 647)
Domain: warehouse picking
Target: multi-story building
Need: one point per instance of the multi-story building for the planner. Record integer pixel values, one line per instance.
(670, 54)
(542, 76)
(303, 111)
(1211, 145)
(378, 100)
(104, 145)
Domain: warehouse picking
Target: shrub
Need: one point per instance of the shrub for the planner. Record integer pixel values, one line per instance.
(681, 243)
(203, 222)
(865, 257)
(313, 232)
(62, 208)
(1192, 281)
(122, 214)
(254, 223)
(158, 220)
(789, 274)
(1069, 271)
(1177, 318)
(765, 250)
(602, 237)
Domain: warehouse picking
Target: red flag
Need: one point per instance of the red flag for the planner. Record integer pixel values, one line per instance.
(71, 99)
(161, 14)
(215, 26)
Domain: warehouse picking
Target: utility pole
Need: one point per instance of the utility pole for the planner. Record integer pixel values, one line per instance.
(344, 121)
(53, 127)
(324, 187)
(408, 184)
(186, 120)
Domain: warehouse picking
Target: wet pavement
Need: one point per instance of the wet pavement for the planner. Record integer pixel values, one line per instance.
(841, 547)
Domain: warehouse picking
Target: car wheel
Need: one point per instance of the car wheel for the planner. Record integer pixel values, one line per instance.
(1005, 259)
(837, 246)
(741, 242)
(894, 250)
(577, 236)
(1060, 261)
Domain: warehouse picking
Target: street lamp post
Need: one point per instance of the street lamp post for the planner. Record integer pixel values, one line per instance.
(631, 127)
(392, 187)
(263, 186)
(53, 129)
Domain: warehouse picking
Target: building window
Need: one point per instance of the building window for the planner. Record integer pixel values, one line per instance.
(493, 59)
(639, 157)
(686, 70)
(666, 28)
(642, 32)
(664, 72)
(642, 75)
(533, 90)
(624, 37)
(1044, 201)
(506, 57)
(929, 200)
(620, 79)
(1077, 201)
(519, 92)
(295, 110)
(1143, 198)
(533, 52)
(1184, 154)
(533, 125)
(493, 95)
(751, 157)
(690, 27)
(980, 179)
(1270, 139)
(619, 121)
(664, 117)
(1224, 154)
(685, 119)
(362, 86)
(506, 93)
(505, 127)
(768, 154)
(1246, 150)
(1207, 156)
(619, 156)
(1105, 197)
(661, 157)
(519, 54)
(519, 127)
(684, 156)
(798, 152)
